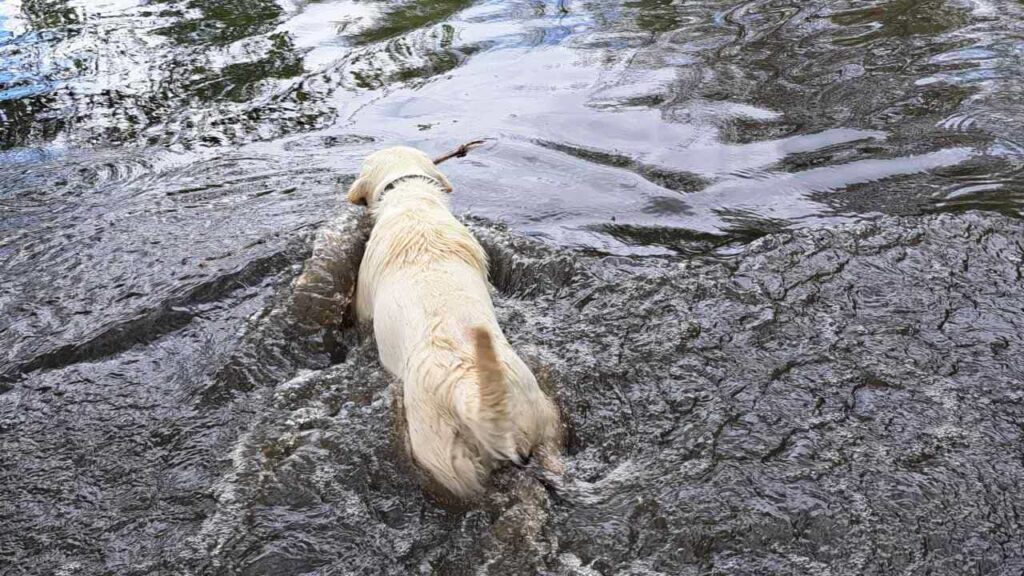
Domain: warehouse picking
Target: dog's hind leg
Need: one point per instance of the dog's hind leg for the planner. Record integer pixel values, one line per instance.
(438, 447)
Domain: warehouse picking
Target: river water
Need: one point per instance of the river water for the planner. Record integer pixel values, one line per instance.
(766, 254)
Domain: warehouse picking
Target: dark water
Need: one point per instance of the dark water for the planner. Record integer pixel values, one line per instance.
(767, 254)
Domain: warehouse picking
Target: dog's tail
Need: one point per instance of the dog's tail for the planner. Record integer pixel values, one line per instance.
(490, 378)
(492, 426)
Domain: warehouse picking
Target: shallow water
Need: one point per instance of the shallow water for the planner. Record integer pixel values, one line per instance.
(164, 167)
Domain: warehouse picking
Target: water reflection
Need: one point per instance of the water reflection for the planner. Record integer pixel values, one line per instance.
(901, 19)
(674, 98)
(405, 18)
(218, 22)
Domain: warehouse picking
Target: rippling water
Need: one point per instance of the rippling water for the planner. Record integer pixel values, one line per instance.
(164, 165)
(675, 119)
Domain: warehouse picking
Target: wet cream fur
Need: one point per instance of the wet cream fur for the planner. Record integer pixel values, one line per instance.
(470, 402)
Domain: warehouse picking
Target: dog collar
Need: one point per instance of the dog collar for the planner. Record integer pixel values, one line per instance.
(393, 183)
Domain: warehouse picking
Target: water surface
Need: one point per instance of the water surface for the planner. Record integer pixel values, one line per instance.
(164, 164)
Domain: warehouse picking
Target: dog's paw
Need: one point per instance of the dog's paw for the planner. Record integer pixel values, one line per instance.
(519, 460)
(506, 451)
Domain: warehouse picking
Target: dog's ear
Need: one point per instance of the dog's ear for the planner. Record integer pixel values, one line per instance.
(445, 184)
(359, 191)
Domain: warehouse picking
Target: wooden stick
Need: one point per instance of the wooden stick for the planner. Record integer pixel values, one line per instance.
(460, 151)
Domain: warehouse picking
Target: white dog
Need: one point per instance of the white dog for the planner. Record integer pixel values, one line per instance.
(470, 402)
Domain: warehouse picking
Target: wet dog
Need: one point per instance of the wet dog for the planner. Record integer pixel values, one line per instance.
(470, 402)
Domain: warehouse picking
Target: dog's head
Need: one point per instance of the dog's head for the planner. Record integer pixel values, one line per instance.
(385, 166)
